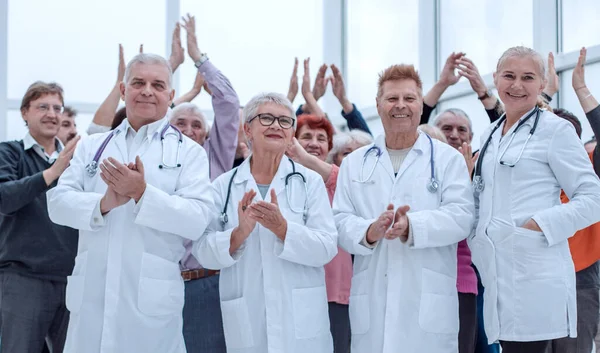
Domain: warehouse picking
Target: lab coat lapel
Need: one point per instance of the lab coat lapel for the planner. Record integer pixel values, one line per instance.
(417, 150)
(120, 141)
(384, 160)
(243, 175)
(278, 183)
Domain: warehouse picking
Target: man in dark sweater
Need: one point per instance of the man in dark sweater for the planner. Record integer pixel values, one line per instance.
(36, 255)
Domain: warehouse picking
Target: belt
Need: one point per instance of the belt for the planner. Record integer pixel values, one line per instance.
(191, 275)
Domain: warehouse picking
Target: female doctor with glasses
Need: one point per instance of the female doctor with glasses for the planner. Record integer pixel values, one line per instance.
(273, 237)
(520, 245)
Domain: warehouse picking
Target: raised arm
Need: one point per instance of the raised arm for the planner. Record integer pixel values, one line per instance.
(106, 112)
(194, 92)
(588, 103)
(552, 80)
(467, 69)
(586, 99)
(293, 90)
(447, 78)
(354, 118)
(222, 141)
(311, 103)
(177, 51)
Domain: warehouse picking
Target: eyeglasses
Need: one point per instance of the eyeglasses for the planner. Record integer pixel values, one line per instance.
(45, 108)
(267, 120)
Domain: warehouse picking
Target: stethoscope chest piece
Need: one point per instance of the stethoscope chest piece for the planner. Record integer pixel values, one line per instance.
(91, 168)
(478, 184)
(224, 218)
(433, 185)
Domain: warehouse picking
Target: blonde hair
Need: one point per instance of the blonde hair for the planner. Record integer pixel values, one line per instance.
(523, 52)
(433, 131)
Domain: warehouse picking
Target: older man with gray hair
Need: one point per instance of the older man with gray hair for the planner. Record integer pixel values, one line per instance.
(135, 194)
(456, 126)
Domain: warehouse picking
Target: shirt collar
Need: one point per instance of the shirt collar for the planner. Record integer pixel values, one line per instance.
(149, 129)
(29, 142)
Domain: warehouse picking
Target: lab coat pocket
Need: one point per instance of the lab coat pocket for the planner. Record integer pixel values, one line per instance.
(438, 313)
(533, 257)
(236, 324)
(74, 293)
(541, 306)
(310, 312)
(360, 319)
(160, 297)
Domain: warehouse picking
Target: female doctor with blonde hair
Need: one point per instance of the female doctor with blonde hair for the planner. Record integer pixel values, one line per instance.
(520, 245)
(272, 235)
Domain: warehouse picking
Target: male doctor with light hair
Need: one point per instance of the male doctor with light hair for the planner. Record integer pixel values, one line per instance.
(401, 206)
(136, 194)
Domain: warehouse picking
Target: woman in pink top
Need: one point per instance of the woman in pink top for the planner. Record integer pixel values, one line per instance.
(314, 140)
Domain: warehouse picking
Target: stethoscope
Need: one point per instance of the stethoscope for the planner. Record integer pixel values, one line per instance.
(432, 186)
(288, 184)
(478, 183)
(92, 167)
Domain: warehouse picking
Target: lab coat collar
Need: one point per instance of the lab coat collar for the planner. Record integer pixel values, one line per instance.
(421, 145)
(529, 122)
(278, 182)
(151, 129)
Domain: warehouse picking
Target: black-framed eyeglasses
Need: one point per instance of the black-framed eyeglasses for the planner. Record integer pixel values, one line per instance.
(267, 120)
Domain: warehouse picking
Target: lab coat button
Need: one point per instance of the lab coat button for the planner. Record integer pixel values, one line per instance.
(96, 219)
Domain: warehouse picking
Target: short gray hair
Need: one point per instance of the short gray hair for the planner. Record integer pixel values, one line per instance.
(342, 139)
(457, 112)
(251, 108)
(149, 59)
(190, 108)
(521, 52)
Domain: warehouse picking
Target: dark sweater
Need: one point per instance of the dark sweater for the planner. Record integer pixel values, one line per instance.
(30, 244)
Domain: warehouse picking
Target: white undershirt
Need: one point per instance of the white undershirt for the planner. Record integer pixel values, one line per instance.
(397, 157)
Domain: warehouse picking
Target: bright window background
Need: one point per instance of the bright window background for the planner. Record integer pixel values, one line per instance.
(483, 29)
(255, 44)
(569, 98)
(380, 33)
(75, 43)
(580, 24)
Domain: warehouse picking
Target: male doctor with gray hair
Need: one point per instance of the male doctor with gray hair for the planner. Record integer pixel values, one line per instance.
(136, 194)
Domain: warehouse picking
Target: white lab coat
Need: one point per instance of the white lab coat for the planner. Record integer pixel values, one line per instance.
(126, 293)
(529, 277)
(273, 296)
(403, 297)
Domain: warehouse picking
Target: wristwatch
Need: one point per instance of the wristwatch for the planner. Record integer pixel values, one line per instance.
(202, 60)
(546, 97)
(487, 94)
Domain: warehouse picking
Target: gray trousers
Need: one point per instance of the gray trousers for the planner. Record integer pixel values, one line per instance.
(33, 314)
(588, 309)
